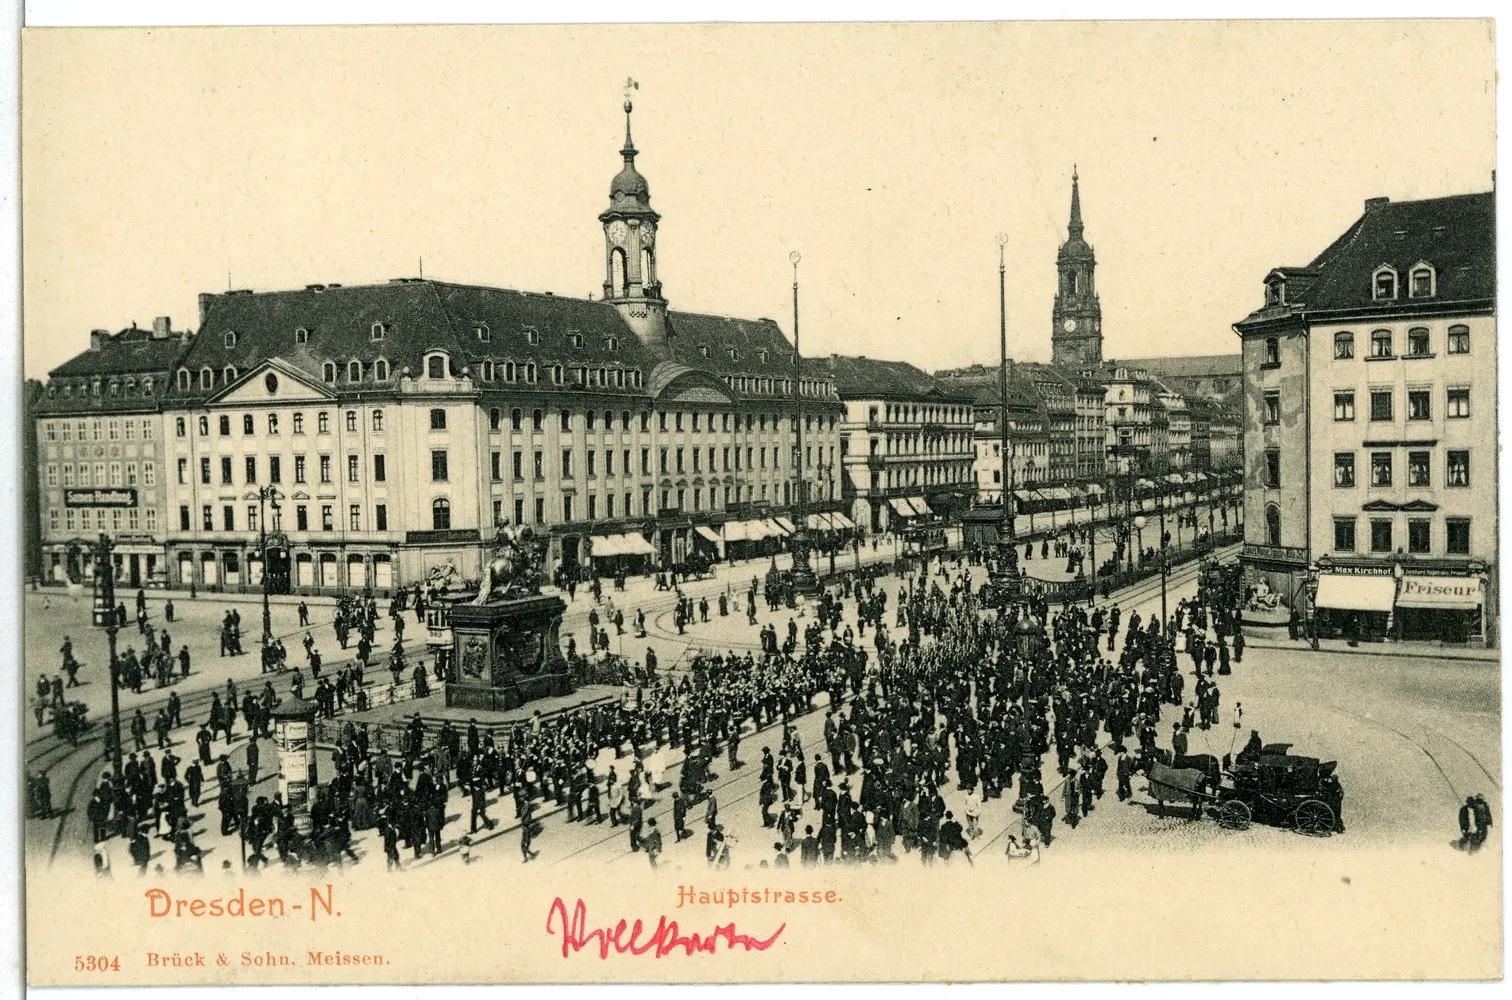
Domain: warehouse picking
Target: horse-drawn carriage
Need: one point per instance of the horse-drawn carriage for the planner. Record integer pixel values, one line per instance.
(1273, 786)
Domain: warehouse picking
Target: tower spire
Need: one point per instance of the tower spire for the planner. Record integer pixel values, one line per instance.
(629, 151)
(1075, 228)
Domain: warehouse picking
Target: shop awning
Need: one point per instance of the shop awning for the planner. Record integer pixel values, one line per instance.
(921, 506)
(1356, 593)
(842, 522)
(774, 528)
(902, 506)
(820, 522)
(1463, 592)
(784, 524)
(735, 531)
(707, 532)
(1145, 484)
(1095, 489)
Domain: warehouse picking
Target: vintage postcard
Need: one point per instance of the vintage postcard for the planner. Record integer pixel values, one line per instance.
(662, 503)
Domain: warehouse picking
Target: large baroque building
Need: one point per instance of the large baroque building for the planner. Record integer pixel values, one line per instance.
(1370, 425)
(338, 437)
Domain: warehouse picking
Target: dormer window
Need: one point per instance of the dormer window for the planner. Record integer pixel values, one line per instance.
(488, 371)
(379, 331)
(703, 350)
(184, 378)
(230, 338)
(380, 370)
(530, 373)
(328, 372)
(207, 378)
(229, 375)
(481, 330)
(1384, 283)
(147, 386)
(1422, 281)
(1275, 292)
(576, 339)
(761, 355)
(435, 366)
(354, 371)
(556, 374)
(612, 343)
(301, 335)
(532, 337)
(734, 354)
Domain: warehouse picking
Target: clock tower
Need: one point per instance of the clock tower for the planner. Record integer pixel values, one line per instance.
(1076, 337)
(630, 234)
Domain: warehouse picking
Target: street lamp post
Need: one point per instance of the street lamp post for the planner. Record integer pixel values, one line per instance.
(1139, 523)
(803, 574)
(1312, 605)
(104, 608)
(266, 495)
(115, 705)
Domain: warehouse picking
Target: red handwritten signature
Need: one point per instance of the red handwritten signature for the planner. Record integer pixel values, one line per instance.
(625, 937)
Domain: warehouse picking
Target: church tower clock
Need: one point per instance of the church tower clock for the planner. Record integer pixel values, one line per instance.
(630, 234)
(1076, 336)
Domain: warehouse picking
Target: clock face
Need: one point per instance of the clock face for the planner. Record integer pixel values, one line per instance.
(1069, 325)
(647, 236)
(618, 231)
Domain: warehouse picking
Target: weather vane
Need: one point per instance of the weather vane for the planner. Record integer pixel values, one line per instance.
(630, 85)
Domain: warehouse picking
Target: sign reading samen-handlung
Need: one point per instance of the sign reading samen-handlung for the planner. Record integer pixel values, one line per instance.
(100, 497)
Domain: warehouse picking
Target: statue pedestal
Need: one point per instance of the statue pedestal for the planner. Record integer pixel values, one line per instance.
(506, 653)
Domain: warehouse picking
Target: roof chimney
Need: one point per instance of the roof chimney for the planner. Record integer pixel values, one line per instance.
(205, 299)
(97, 339)
(162, 328)
(1376, 203)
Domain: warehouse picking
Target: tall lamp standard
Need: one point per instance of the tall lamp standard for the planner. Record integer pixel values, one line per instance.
(1005, 575)
(803, 573)
(267, 496)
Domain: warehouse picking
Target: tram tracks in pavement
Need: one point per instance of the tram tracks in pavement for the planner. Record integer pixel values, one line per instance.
(1457, 791)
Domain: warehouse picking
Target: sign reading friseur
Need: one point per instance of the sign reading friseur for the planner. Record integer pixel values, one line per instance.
(126, 497)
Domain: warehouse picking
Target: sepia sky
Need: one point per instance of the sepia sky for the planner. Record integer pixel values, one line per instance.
(155, 162)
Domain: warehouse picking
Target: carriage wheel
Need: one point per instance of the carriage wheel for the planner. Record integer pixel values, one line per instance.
(1314, 818)
(1234, 815)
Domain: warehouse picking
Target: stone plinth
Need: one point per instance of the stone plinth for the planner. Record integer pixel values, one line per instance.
(506, 653)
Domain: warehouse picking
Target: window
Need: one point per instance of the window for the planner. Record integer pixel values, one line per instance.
(354, 371)
(1421, 283)
(183, 517)
(1272, 351)
(299, 423)
(228, 517)
(663, 466)
(482, 332)
(204, 428)
(380, 517)
(272, 423)
(1459, 340)
(438, 466)
(328, 372)
(1385, 283)
(540, 464)
(537, 419)
(301, 518)
(438, 420)
(352, 468)
(540, 510)
(351, 421)
(567, 420)
(299, 468)
(1457, 469)
(1419, 535)
(1419, 405)
(435, 367)
(251, 470)
(496, 466)
(1380, 344)
(1417, 342)
(493, 419)
(225, 470)
(247, 424)
(178, 428)
(1380, 404)
(251, 517)
(1344, 405)
(275, 469)
(301, 335)
(567, 507)
(207, 517)
(323, 422)
(151, 518)
(1458, 404)
(1380, 468)
(1380, 535)
(1272, 525)
(1417, 468)
(515, 420)
(52, 473)
(377, 421)
(1343, 346)
(380, 370)
(1272, 468)
(325, 468)
(1457, 536)
(380, 469)
(229, 376)
(183, 379)
(1344, 468)
(591, 468)
(354, 517)
(566, 463)
(645, 461)
(1273, 407)
(519, 511)
(327, 517)
(183, 472)
(519, 464)
(379, 331)
(1344, 534)
(207, 378)
(225, 425)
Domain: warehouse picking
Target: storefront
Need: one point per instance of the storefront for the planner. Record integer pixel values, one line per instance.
(624, 552)
(1441, 608)
(1355, 605)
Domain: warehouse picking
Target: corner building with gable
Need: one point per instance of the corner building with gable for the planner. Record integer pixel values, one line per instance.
(400, 425)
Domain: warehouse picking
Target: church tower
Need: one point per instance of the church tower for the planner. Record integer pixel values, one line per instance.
(630, 281)
(1076, 336)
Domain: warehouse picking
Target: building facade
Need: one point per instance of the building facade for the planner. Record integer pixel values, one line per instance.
(905, 442)
(1370, 425)
(101, 460)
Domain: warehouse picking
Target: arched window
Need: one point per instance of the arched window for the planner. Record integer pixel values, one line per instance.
(1384, 283)
(483, 333)
(230, 338)
(207, 378)
(354, 371)
(301, 335)
(229, 374)
(147, 386)
(380, 370)
(184, 379)
(435, 366)
(648, 267)
(378, 420)
(514, 419)
(1421, 282)
(328, 371)
(511, 373)
(488, 371)
(530, 372)
(379, 331)
(441, 514)
(1343, 346)
(617, 272)
(1272, 525)
(613, 344)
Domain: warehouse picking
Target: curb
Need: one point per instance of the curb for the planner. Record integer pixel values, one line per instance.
(1302, 646)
